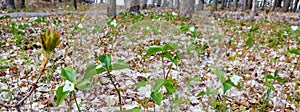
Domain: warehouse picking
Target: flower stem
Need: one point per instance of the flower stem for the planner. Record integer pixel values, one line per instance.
(77, 105)
(163, 66)
(170, 67)
(116, 88)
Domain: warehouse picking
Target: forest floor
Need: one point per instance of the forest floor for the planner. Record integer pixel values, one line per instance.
(261, 55)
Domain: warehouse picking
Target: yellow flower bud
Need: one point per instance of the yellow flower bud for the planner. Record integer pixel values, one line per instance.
(49, 40)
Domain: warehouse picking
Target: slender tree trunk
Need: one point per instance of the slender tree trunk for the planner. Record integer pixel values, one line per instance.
(165, 3)
(263, 5)
(249, 4)
(102, 1)
(245, 5)
(215, 5)
(158, 3)
(228, 3)
(153, 2)
(279, 2)
(200, 5)
(177, 4)
(286, 5)
(133, 5)
(253, 12)
(222, 4)
(187, 8)
(111, 9)
(144, 4)
(235, 5)
(22, 3)
(274, 5)
(295, 6)
(10, 4)
(75, 4)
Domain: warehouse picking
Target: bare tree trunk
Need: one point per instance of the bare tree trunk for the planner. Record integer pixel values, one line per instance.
(249, 4)
(144, 4)
(274, 5)
(295, 6)
(286, 5)
(253, 12)
(165, 3)
(245, 5)
(187, 8)
(102, 1)
(279, 2)
(200, 5)
(133, 5)
(263, 4)
(177, 4)
(235, 5)
(158, 3)
(153, 2)
(75, 4)
(228, 3)
(10, 4)
(215, 5)
(111, 9)
(222, 4)
(22, 3)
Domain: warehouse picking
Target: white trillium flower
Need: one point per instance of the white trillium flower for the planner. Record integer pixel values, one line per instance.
(145, 91)
(235, 79)
(194, 99)
(192, 29)
(285, 33)
(69, 86)
(80, 26)
(294, 28)
(114, 23)
(174, 14)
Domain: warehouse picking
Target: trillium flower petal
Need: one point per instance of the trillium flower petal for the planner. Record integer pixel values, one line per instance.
(235, 79)
(294, 28)
(69, 86)
(192, 29)
(145, 91)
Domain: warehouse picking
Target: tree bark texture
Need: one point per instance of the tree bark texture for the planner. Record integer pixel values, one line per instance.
(75, 4)
(245, 5)
(215, 5)
(111, 9)
(286, 5)
(133, 5)
(144, 4)
(249, 4)
(222, 4)
(10, 4)
(235, 5)
(253, 12)
(22, 3)
(187, 7)
(200, 5)
(165, 3)
(158, 3)
(295, 6)
(177, 4)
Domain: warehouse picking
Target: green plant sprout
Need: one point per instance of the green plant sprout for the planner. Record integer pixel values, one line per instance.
(164, 52)
(85, 84)
(226, 85)
(270, 87)
(9, 92)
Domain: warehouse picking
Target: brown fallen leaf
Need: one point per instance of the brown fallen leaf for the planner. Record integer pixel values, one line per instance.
(2, 73)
